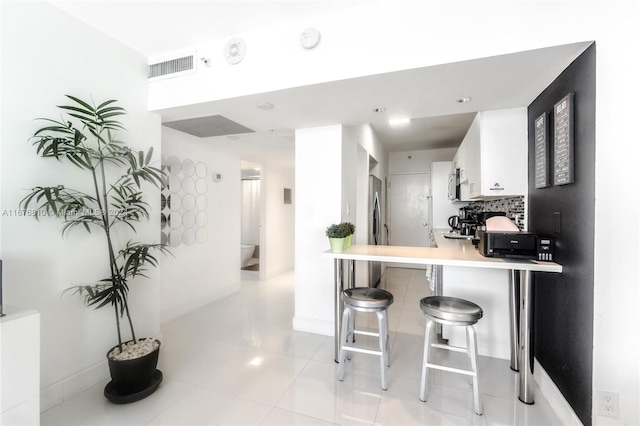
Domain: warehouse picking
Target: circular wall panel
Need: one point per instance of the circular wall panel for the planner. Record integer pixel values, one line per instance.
(188, 168)
(173, 165)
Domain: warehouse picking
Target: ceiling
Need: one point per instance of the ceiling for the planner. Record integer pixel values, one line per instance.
(427, 95)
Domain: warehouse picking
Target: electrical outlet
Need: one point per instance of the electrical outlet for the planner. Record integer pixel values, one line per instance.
(609, 404)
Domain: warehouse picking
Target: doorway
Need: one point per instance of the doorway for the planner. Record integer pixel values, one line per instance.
(250, 195)
(409, 203)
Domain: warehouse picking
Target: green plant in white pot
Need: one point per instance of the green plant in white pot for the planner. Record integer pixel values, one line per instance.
(115, 205)
(337, 234)
(350, 229)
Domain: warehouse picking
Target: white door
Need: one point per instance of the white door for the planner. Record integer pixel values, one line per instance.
(409, 210)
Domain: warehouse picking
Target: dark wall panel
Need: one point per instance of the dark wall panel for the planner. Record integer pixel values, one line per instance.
(563, 315)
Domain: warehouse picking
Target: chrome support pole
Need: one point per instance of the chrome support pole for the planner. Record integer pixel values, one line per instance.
(352, 273)
(525, 388)
(339, 284)
(514, 320)
(338, 281)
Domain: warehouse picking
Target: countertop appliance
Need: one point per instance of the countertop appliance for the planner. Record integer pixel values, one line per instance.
(441, 208)
(454, 191)
(518, 245)
(454, 223)
(468, 227)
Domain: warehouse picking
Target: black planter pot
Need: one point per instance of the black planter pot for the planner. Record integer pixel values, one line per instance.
(133, 379)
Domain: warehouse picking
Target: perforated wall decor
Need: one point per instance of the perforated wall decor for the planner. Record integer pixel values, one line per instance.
(183, 202)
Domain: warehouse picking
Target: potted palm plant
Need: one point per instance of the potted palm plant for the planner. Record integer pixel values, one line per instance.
(116, 204)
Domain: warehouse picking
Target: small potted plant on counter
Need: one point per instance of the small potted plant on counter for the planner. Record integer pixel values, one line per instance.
(337, 234)
(351, 229)
(114, 206)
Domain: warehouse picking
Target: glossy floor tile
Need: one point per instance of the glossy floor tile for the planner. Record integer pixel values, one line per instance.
(238, 362)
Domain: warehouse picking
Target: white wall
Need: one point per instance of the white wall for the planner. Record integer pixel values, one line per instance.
(418, 161)
(45, 55)
(203, 272)
(279, 223)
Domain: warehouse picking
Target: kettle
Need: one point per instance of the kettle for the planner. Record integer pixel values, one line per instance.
(454, 222)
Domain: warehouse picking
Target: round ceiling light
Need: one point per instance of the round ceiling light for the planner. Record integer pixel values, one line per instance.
(379, 109)
(265, 106)
(463, 100)
(310, 38)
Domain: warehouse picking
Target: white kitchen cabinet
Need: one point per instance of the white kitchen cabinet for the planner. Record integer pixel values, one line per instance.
(493, 154)
(19, 367)
(489, 288)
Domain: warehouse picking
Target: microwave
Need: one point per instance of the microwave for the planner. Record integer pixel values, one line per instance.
(454, 186)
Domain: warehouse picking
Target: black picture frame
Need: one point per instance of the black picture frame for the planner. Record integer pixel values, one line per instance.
(563, 141)
(541, 154)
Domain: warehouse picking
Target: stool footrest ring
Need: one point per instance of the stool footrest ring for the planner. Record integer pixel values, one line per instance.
(361, 350)
(366, 333)
(450, 369)
(449, 347)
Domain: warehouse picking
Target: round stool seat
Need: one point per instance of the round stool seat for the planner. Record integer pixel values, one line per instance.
(451, 309)
(367, 297)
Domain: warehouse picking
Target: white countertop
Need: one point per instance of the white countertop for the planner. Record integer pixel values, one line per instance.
(450, 252)
(12, 312)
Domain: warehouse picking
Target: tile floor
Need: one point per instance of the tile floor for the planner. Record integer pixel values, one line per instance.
(238, 362)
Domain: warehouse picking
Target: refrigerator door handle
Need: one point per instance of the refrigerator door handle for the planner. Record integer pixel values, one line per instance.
(376, 220)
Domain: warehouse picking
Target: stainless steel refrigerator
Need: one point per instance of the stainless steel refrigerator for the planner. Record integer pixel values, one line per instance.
(375, 226)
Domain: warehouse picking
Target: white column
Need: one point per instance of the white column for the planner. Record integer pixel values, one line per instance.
(318, 184)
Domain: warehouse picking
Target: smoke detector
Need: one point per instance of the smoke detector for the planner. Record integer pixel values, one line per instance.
(235, 50)
(310, 38)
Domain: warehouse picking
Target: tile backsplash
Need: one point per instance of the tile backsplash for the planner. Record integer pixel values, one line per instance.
(514, 207)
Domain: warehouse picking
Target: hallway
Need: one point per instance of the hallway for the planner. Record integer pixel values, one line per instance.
(237, 361)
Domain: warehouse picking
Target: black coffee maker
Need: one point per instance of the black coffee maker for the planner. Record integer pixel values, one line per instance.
(467, 221)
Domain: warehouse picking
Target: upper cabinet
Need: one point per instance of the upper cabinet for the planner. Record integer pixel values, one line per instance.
(493, 155)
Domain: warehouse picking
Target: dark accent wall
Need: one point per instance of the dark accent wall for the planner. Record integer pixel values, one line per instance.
(563, 313)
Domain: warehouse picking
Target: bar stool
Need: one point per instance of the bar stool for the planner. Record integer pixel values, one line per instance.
(365, 299)
(456, 312)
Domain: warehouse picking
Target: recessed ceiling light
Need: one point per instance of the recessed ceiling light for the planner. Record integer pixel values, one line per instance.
(379, 109)
(463, 100)
(396, 122)
(264, 106)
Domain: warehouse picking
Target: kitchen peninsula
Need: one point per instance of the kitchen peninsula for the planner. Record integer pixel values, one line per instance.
(460, 254)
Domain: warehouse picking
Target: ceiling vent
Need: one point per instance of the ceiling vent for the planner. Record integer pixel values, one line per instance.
(173, 67)
(204, 127)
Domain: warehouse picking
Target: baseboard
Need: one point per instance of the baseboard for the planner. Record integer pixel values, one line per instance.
(279, 271)
(58, 392)
(64, 389)
(553, 395)
(310, 325)
(168, 314)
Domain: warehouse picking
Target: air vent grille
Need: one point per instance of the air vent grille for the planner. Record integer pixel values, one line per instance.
(172, 67)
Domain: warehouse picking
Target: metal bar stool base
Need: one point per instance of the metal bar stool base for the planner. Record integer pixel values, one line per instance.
(454, 312)
(361, 299)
